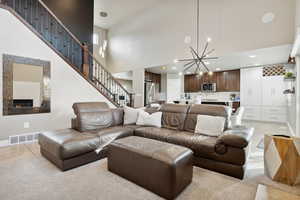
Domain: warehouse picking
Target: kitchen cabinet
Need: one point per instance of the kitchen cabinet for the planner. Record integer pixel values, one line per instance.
(192, 83)
(228, 81)
(251, 82)
(262, 97)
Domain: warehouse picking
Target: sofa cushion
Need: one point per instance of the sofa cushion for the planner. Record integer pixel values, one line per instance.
(92, 115)
(238, 137)
(210, 125)
(84, 107)
(203, 109)
(118, 116)
(173, 116)
(95, 120)
(208, 147)
(108, 135)
(146, 119)
(130, 115)
(68, 143)
(154, 133)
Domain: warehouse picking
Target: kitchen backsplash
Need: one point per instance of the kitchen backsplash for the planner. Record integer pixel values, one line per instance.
(216, 95)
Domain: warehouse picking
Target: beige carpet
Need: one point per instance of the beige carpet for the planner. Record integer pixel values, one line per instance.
(25, 175)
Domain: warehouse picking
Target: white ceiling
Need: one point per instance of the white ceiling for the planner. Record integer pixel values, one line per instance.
(118, 10)
(273, 55)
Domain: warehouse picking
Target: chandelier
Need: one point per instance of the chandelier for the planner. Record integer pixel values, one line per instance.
(198, 60)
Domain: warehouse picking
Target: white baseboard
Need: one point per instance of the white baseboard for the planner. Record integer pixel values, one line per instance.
(4, 143)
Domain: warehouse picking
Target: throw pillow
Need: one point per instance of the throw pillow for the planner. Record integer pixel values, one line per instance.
(210, 125)
(130, 115)
(146, 119)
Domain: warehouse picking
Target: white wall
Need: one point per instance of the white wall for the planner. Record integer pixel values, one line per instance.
(156, 36)
(138, 79)
(102, 33)
(67, 86)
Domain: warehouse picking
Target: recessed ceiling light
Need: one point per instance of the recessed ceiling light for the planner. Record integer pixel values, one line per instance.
(208, 39)
(268, 17)
(176, 60)
(210, 73)
(252, 56)
(180, 73)
(218, 69)
(103, 14)
(164, 67)
(174, 68)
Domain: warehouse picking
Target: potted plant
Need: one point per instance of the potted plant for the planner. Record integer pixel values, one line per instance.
(289, 75)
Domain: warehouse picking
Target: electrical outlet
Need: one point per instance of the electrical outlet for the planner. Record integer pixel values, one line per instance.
(26, 124)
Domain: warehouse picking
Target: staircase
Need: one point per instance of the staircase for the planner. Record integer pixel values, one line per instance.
(42, 22)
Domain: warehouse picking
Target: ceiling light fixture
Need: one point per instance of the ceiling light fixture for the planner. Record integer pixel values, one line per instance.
(252, 56)
(180, 73)
(198, 59)
(218, 69)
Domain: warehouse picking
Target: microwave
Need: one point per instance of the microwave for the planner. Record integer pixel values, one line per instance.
(209, 87)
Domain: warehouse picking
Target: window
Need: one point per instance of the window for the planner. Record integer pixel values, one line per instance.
(95, 39)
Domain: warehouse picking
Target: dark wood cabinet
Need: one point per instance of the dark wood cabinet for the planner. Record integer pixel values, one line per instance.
(227, 81)
(155, 78)
(191, 83)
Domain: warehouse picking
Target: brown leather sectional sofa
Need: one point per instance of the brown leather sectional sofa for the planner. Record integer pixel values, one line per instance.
(96, 125)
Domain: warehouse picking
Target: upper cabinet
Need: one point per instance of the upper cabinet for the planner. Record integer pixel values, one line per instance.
(227, 81)
(191, 83)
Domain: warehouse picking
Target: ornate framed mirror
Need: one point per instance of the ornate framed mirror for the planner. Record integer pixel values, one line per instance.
(26, 85)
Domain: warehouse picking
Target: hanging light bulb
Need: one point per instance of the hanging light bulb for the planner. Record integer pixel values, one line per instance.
(210, 73)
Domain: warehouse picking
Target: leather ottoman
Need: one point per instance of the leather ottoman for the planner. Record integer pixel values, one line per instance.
(160, 167)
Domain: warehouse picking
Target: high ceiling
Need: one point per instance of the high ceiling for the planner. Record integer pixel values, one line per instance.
(118, 10)
(266, 56)
(145, 33)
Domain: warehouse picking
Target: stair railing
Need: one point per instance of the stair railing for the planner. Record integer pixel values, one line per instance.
(39, 18)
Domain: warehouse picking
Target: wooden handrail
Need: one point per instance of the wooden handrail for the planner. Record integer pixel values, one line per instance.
(112, 77)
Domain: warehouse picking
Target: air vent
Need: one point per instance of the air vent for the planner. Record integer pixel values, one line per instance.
(26, 138)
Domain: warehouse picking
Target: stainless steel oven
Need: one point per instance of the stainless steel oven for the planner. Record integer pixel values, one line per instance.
(209, 87)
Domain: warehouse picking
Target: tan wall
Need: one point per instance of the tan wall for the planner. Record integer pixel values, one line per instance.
(156, 36)
(67, 86)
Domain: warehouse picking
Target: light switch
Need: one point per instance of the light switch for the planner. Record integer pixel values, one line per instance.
(26, 124)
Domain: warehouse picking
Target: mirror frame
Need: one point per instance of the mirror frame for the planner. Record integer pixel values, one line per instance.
(8, 108)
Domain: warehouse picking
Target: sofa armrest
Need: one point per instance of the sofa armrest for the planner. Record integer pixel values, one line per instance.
(237, 137)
